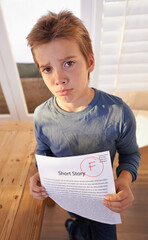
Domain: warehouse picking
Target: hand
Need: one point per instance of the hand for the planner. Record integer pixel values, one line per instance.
(123, 198)
(36, 190)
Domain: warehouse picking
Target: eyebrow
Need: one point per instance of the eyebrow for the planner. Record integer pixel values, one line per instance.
(60, 60)
(66, 58)
(44, 66)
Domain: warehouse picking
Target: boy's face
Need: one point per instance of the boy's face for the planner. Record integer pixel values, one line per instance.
(65, 72)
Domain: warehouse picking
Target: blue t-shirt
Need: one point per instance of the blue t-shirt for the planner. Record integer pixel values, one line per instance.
(106, 124)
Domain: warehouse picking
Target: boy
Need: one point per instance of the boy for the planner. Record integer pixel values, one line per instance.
(80, 120)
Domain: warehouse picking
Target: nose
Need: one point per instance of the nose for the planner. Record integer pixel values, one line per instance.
(61, 78)
(61, 82)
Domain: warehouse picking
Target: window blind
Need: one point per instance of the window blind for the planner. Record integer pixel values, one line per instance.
(123, 53)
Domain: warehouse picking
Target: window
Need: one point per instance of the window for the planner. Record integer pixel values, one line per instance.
(122, 47)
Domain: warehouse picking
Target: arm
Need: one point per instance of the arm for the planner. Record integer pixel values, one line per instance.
(129, 158)
(129, 155)
(36, 190)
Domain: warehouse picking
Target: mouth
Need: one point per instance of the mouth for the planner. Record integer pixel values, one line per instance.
(64, 92)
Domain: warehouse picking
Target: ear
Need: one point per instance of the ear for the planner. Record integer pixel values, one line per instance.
(91, 63)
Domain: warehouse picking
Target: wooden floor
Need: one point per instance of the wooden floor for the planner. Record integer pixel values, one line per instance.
(134, 221)
(20, 214)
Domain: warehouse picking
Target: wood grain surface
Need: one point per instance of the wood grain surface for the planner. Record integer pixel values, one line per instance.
(20, 214)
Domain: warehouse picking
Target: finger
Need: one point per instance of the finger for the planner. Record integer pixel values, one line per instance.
(39, 195)
(39, 192)
(118, 206)
(120, 196)
(37, 189)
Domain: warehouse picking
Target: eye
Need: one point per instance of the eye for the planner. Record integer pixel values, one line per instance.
(68, 63)
(47, 70)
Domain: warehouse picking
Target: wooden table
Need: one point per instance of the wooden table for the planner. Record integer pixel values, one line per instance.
(20, 214)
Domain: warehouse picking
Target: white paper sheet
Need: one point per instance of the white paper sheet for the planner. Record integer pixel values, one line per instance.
(78, 184)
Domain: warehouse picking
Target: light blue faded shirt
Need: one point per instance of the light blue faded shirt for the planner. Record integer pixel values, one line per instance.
(106, 124)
